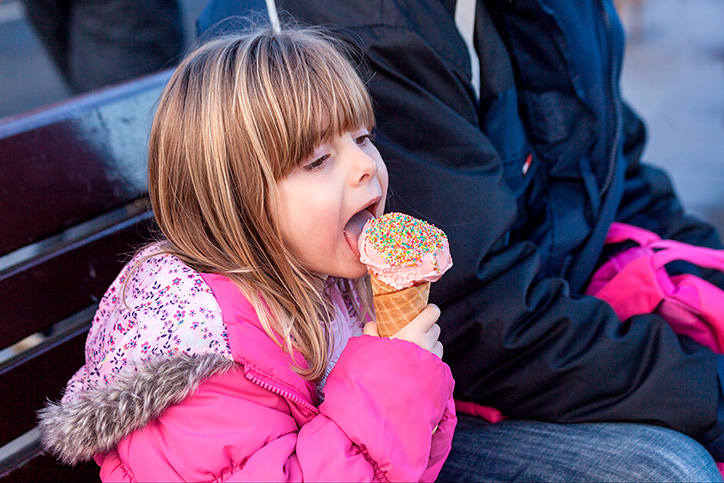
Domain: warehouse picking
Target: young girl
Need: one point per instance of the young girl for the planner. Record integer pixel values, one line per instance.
(236, 348)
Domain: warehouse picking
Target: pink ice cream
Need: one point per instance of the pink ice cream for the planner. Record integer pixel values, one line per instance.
(402, 251)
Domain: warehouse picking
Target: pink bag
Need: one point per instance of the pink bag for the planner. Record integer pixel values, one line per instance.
(635, 281)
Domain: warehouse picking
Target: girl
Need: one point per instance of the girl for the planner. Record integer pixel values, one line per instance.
(235, 348)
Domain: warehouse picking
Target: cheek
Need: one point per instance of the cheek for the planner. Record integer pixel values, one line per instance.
(308, 227)
(289, 217)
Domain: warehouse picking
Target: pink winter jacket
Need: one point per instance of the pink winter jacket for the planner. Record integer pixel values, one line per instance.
(180, 388)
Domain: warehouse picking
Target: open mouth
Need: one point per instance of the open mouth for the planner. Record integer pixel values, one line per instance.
(355, 225)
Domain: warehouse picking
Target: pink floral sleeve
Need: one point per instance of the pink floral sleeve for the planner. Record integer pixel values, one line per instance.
(166, 309)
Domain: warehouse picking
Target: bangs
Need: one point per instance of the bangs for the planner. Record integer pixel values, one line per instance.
(334, 107)
(311, 93)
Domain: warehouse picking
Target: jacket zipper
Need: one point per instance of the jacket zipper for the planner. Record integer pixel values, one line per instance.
(616, 105)
(298, 400)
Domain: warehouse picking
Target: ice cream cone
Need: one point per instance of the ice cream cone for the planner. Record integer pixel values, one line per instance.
(395, 308)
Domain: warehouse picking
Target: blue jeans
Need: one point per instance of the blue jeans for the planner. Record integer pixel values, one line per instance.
(536, 451)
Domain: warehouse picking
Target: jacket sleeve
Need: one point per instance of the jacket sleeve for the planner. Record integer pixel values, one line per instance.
(232, 429)
(525, 346)
(393, 401)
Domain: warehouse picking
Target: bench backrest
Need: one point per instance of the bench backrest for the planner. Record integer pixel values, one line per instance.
(73, 208)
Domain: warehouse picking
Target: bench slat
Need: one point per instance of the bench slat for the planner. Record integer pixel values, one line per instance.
(36, 295)
(90, 159)
(36, 380)
(45, 468)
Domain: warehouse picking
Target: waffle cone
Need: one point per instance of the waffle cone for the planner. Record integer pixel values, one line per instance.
(395, 308)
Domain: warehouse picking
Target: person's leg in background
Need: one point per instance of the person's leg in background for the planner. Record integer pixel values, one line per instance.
(536, 451)
(99, 42)
(51, 20)
(115, 40)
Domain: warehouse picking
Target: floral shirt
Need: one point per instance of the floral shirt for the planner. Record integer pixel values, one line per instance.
(165, 309)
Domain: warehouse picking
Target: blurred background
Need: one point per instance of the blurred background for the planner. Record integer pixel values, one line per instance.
(673, 77)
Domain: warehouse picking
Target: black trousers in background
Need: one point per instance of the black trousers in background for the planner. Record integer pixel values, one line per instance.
(99, 42)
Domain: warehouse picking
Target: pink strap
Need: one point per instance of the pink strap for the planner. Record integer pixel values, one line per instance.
(670, 250)
(621, 232)
(673, 250)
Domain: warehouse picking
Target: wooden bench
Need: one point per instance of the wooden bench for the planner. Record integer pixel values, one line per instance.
(73, 207)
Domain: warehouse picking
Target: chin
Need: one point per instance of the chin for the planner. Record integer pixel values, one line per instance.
(352, 273)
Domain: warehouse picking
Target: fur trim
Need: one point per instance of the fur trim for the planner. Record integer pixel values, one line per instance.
(102, 416)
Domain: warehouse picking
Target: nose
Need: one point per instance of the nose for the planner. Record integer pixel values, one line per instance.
(363, 166)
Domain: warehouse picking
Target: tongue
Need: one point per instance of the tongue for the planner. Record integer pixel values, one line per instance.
(354, 228)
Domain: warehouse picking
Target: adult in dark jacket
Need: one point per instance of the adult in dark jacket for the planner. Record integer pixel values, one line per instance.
(503, 124)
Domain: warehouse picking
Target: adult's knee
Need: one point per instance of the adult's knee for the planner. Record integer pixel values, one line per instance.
(639, 452)
(673, 456)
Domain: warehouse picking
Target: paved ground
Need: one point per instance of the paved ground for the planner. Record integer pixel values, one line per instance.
(673, 76)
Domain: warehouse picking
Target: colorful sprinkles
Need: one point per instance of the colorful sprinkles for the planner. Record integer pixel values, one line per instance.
(403, 240)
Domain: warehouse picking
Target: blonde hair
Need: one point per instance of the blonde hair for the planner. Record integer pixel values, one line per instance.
(239, 113)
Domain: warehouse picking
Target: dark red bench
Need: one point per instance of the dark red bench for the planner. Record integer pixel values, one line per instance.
(73, 207)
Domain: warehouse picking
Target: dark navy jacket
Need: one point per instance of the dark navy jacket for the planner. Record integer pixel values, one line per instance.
(526, 180)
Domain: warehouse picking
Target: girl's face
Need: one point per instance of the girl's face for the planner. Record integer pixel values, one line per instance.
(319, 197)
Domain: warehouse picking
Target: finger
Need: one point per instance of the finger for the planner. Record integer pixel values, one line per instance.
(438, 349)
(427, 318)
(370, 328)
(417, 329)
(434, 331)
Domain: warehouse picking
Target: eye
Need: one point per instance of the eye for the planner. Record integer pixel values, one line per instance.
(316, 163)
(363, 140)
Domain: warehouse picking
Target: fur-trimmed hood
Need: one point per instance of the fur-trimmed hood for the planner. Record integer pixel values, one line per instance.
(98, 419)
